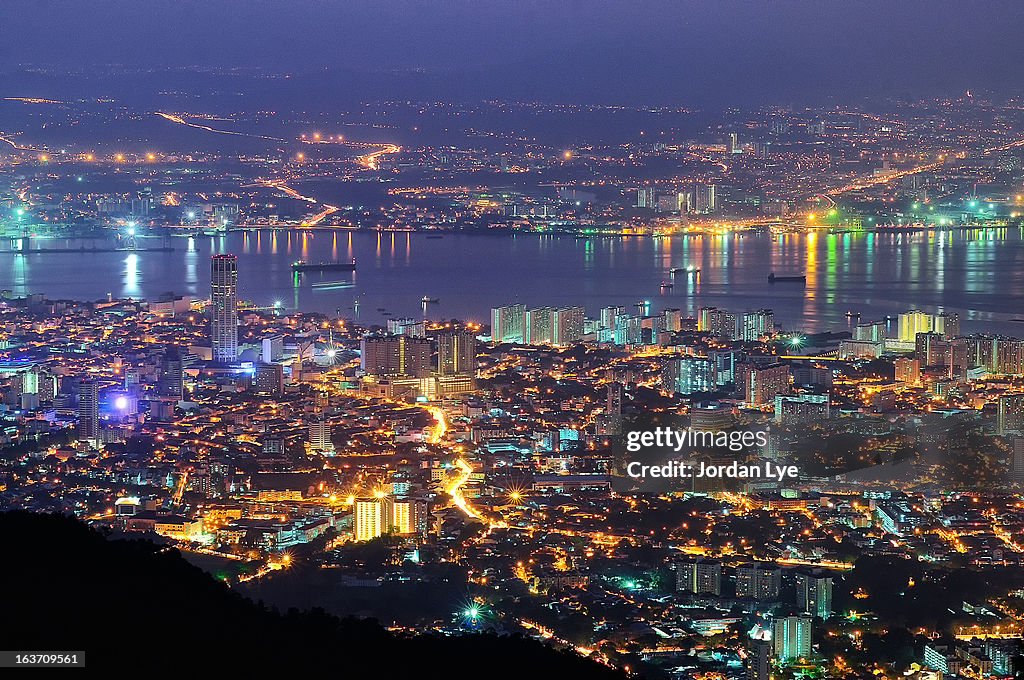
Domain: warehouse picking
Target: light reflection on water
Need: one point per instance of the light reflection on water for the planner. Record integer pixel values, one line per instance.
(979, 274)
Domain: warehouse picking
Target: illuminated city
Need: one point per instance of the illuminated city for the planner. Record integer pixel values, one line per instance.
(364, 356)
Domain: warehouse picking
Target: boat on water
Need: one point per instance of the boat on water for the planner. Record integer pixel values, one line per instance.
(427, 300)
(667, 285)
(679, 270)
(303, 266)
(852, 315)
(797, 278)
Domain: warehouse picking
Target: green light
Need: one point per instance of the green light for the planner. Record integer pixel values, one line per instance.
(916, 206)
(472, 612)
(833, 212)
(796, 341)
(973, 204)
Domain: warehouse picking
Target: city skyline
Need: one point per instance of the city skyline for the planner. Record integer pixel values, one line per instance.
(664, 340)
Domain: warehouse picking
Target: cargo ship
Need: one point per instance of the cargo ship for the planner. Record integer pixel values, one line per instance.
(303, 266)
(799, 278)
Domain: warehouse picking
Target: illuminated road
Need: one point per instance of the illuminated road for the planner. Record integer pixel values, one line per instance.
(314, 219)
(454, 486)
(181, 121)
(371, 161)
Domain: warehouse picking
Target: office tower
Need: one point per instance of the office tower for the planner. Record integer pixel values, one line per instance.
(538, 326)
(320, 436)
(759, 581)
(734, 143)
(507, 323)
(814, 593)
(88, 410)
(456, 353)
(567, 326)
(801, 409)
(791, 637)
(688, 375)
(224, 308)
(701, 577)
(395, 355)
(759, 660)
(705, 199)
(717, 322)
(269, 379)
(758, 385)
(368, 519)
(908, 370)
(645, 197)
(1010, 414)
(756, 325)
(407, 326)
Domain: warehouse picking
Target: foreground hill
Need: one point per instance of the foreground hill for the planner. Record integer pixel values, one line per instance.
(136, 606)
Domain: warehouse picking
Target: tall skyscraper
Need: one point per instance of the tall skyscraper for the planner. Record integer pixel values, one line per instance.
(224, 308)
(456, 353)
(814, 593)
(507, 323)
(88, 410)
(791, 636)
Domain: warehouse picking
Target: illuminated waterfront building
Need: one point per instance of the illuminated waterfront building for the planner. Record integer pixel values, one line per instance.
(507, 323)
(567, 326)
(756, 325)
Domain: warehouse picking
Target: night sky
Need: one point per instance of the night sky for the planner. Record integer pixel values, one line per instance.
(638, 51)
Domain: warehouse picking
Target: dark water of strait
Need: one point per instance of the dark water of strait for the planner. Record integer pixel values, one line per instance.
(978, 273)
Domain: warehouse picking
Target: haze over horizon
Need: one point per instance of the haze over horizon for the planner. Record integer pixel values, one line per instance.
(647, 52)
